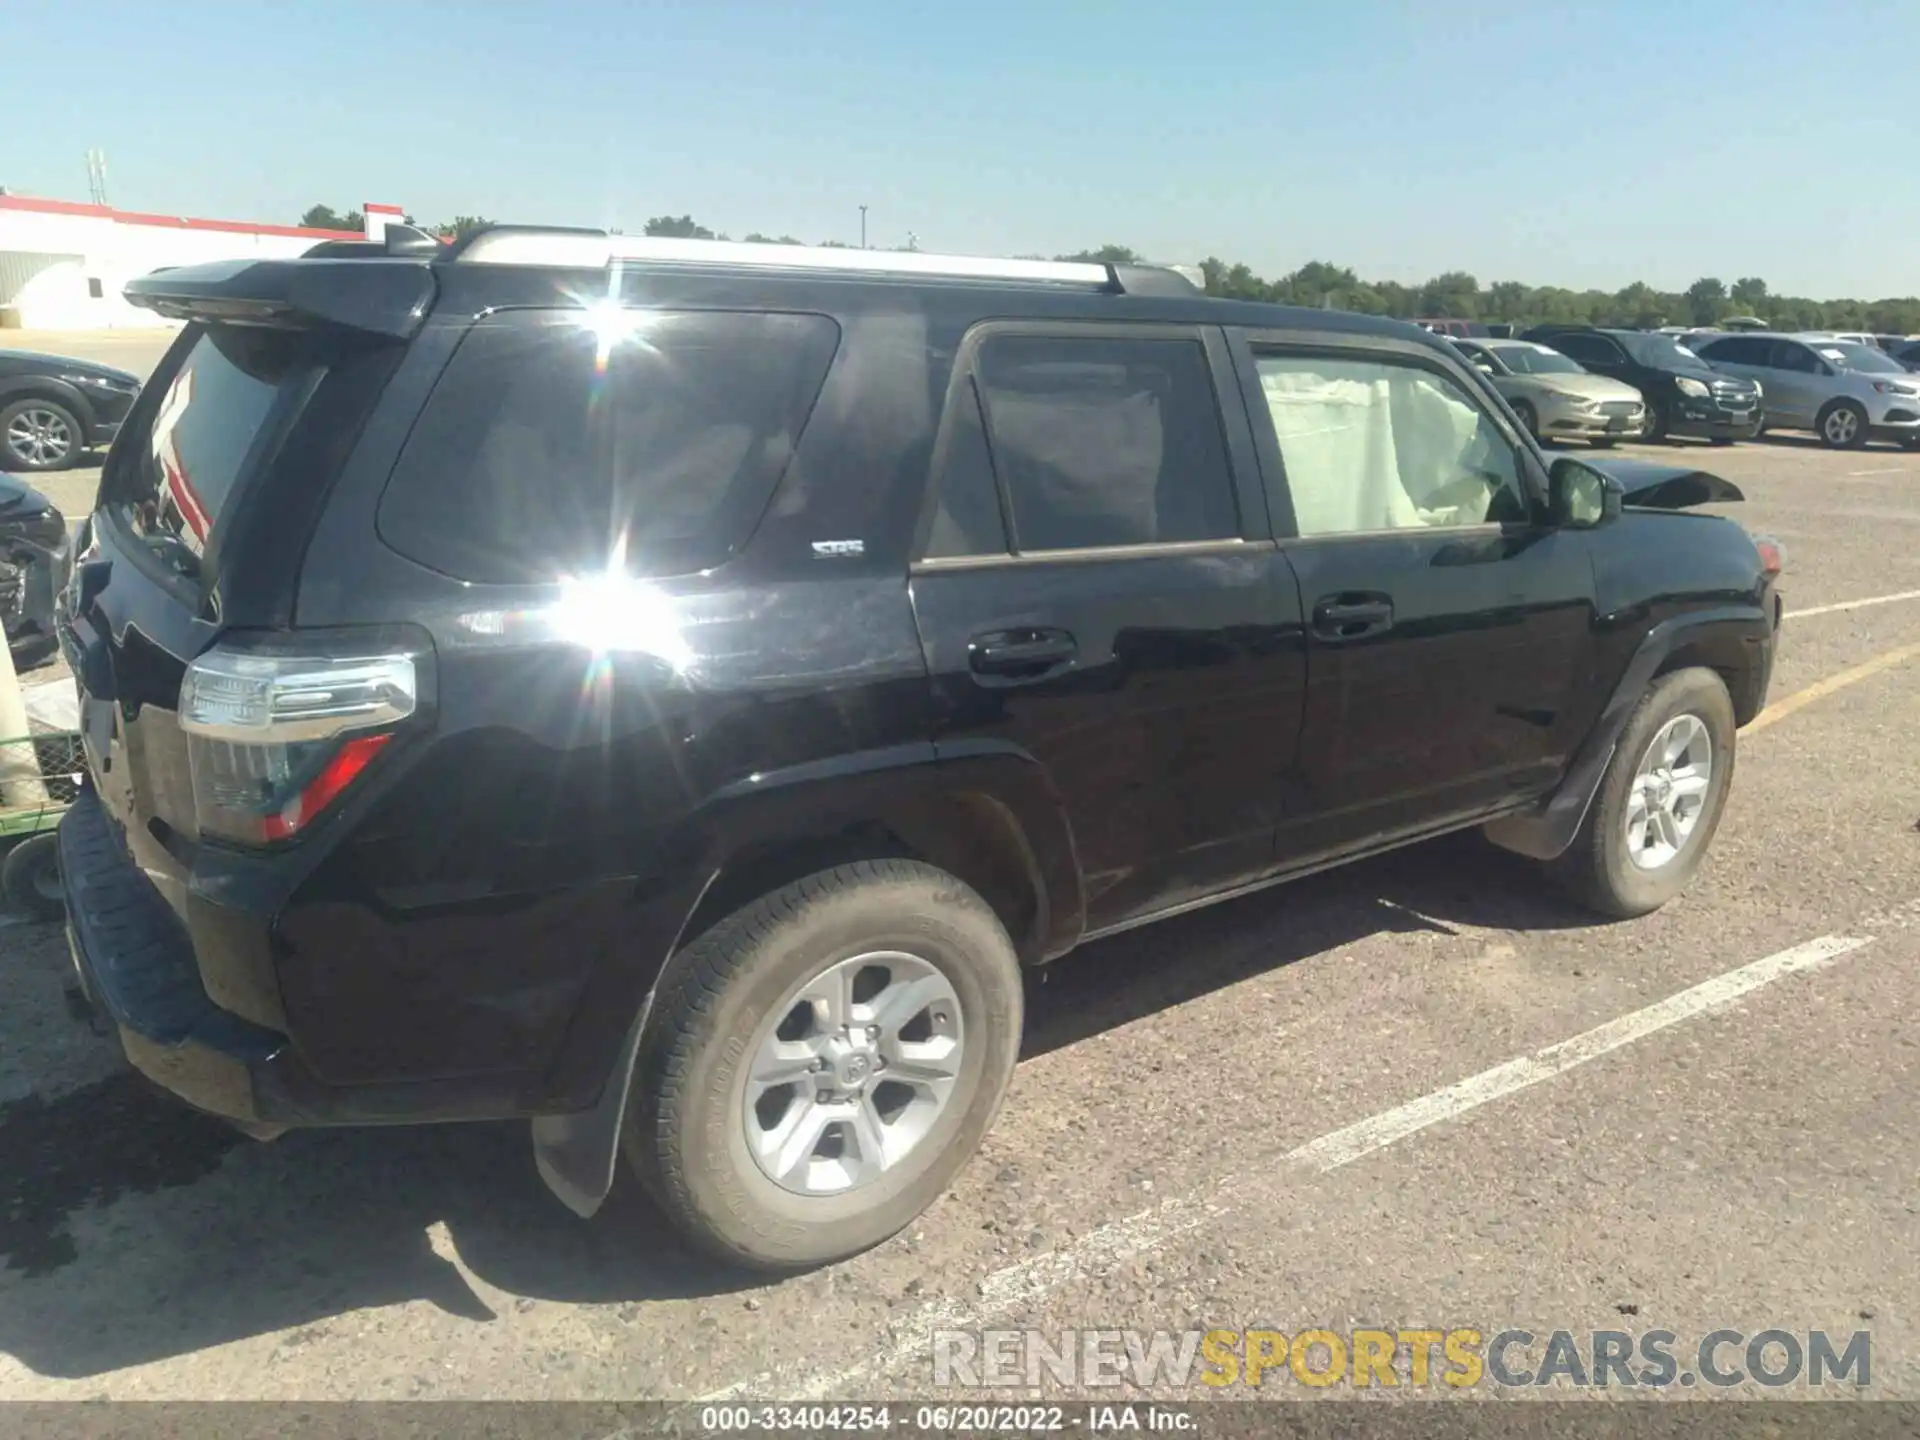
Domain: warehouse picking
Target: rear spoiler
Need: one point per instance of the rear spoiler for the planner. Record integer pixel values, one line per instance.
(379, 294)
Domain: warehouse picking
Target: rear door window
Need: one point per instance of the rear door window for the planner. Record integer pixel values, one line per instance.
(184, 473)
(559, 441)
(1105, 442)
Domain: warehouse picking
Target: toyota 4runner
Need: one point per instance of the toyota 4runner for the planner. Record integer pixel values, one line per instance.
(670, 690)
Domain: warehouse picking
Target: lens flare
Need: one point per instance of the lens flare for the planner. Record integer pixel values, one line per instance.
(614, 614)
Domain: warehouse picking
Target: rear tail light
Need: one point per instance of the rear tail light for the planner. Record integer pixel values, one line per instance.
(279, 730)
(1773, 556)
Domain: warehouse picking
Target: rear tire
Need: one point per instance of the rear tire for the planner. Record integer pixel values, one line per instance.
(30, 878)
(1842, 426)
(770, 1184)
(1603, 868)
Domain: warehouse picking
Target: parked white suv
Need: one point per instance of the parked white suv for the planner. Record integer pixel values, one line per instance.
(1842, 390)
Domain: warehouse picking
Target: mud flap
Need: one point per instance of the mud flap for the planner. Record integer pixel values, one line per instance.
(1547, 829)
(576, 1153)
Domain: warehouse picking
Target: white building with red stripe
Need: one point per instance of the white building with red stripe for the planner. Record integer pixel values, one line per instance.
(63, 264)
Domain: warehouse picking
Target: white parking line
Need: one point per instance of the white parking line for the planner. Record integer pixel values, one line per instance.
(1851, 605)
(1015, 1289)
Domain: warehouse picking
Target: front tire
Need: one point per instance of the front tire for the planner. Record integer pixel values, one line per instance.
(1842, 426)
(1654, 428)
(1529, 420)
(38, 436)
(821, 1063)
(1660, 800)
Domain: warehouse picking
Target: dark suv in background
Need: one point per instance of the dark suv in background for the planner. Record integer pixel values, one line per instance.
(53, 409)
(672, 690)
(1685, 396)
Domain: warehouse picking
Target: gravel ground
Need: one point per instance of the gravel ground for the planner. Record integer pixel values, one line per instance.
(1740, 1163)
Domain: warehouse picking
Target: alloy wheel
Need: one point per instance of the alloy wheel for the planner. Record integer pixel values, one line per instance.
(39, 437)
(850, 1074)
(1669, 792)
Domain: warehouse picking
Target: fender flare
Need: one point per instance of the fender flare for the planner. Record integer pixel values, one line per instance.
(576, 1153)
(1544, 831)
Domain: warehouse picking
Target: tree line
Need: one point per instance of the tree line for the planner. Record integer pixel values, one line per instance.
(1455, 295)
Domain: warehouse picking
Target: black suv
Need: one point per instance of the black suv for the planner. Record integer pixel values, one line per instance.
(671, 690)
(1684, 395)
(53, 409)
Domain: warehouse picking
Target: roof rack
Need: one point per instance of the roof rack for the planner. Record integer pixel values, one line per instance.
(596, 249)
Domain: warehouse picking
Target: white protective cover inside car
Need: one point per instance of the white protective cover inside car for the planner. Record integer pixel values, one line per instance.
(1379, 447)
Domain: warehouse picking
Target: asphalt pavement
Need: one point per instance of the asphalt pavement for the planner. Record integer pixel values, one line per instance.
(1421, 1092)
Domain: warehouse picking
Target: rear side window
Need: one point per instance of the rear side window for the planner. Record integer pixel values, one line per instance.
(1106, 442)
(551, 445)
(185, 472)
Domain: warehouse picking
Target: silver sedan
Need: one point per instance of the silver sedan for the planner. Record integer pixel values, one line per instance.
(1553, 396)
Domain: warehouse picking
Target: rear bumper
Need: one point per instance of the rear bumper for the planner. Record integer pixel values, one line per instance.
(137, 966)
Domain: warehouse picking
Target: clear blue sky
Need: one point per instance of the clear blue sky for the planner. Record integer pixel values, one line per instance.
(1537, 140)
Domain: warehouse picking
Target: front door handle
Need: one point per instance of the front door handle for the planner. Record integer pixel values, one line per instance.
(1021, 654)
(1352, 617)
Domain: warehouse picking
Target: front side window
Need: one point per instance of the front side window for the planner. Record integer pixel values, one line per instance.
(559, 441)
(1103, 442)
(1370, 445)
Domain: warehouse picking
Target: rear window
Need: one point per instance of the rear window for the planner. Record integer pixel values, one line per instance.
(557, 441)
(182, 476)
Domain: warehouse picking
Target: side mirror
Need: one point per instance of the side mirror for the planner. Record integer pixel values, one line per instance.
(1582, 497)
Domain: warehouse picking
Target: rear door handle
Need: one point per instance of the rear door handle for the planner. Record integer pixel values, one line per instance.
(1352, 617)
(1021, 654)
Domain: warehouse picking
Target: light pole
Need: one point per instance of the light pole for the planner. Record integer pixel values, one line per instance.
(863, 227)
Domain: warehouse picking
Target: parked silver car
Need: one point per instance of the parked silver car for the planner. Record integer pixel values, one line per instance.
(1554, 396)
(1843, 391)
